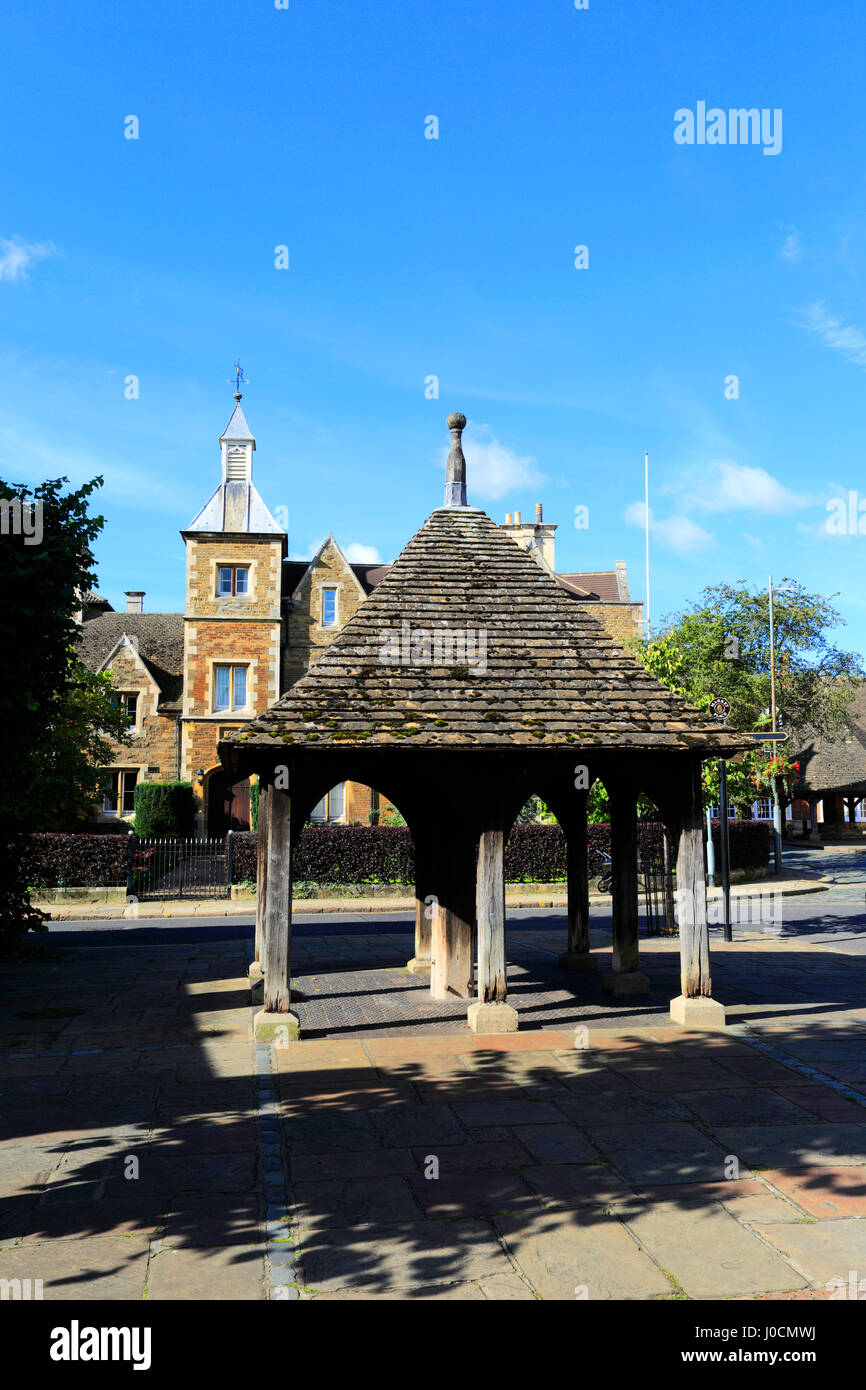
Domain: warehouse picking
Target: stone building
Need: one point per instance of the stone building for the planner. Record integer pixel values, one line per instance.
(254, 622)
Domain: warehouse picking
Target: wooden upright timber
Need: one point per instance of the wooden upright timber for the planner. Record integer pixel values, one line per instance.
(490, 912)
(692, 892)
(265, 792)
(277, 917)
(453, 919)
(624, 978)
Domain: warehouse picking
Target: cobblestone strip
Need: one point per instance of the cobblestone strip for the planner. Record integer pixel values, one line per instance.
(284, 1276)
(778, 1055)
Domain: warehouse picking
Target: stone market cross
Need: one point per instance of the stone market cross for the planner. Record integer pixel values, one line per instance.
(466, 682)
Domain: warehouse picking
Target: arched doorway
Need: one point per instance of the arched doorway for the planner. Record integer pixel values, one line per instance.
(228, 804)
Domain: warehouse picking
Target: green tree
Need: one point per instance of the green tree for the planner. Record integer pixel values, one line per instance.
(55, 715)
(720, 647)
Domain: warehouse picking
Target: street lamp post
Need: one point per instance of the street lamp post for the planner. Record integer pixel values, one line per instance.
(777, 806)
(720, 709)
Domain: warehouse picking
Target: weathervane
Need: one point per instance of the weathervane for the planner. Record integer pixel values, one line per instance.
(240, 379)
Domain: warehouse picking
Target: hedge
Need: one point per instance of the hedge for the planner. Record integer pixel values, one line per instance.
(338, 854)
(76, 861)
(164, 808)
(360, 854)
(749, 842)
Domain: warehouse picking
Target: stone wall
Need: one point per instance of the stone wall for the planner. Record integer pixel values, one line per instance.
(152, 750)
(306, 637)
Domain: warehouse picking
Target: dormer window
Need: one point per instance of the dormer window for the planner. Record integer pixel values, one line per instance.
(233, 580)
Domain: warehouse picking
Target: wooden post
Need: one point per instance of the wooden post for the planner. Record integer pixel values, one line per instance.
(276, 1023)
(490, 1013)
(577, 957)
(424, 910)
(694, 1008)
(453, 918)
(624, 978)
(265, 790)
(490, 913)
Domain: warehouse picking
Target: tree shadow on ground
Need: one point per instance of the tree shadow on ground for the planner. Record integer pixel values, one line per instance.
(131, 1154)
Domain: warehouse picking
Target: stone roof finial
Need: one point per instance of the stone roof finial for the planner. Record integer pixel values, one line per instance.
(455, 476)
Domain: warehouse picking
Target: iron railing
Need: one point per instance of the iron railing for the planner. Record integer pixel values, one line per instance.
(157, 869)
(655, 876)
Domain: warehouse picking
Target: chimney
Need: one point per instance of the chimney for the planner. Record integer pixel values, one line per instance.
(535, 536)
(134, 600)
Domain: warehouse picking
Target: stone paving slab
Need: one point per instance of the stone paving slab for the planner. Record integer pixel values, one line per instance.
(568, 1255)
(387, 1256)
(823, 1191)
(823, 1250)
(600, 1167)
(711, 1252)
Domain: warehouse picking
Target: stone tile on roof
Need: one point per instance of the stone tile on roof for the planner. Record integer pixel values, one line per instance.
(160, 645)
(552, 676)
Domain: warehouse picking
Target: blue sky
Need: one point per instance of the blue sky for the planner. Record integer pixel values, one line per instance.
(412, 257)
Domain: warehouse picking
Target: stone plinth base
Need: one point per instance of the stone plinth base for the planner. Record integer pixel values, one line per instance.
(577, 960)
(626, 982)
(492, 1018)
(418, 967)
(278, 1029)
(697, 1013)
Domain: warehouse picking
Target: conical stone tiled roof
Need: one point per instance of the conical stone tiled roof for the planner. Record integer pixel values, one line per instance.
(528, 667)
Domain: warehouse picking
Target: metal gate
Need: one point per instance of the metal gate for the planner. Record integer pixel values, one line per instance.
(173, 868)
(655, 876)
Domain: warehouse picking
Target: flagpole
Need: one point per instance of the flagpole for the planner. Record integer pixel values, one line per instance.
(646, 528)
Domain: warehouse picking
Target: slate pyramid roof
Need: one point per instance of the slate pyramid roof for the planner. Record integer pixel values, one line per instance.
(468, 642)
(237, 427)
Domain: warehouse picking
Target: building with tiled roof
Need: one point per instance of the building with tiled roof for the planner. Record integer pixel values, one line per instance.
(468, 680)
(254, 623)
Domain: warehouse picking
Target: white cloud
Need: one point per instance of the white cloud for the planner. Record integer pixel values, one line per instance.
(677, 533)
(834, 332)
(726, 486)
(493, 469)
(791, 249)
(17, 257)
(358, 554)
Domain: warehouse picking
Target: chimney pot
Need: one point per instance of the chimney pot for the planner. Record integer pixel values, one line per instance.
(538, 517)
(517, 518)
(134, 600)
(507, 518)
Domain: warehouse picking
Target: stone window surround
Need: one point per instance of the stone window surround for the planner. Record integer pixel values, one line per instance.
(134, 729)
(224, 659)
(319, 606)
(248, 565)
(119, 814)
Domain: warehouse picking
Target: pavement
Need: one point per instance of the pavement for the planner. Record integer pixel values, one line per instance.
(148, 1148)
